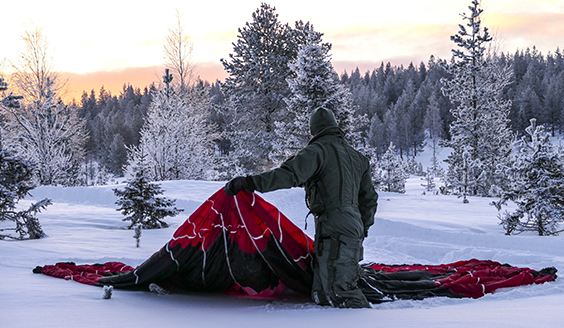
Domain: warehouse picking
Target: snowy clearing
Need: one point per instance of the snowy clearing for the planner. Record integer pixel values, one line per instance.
(83, 226)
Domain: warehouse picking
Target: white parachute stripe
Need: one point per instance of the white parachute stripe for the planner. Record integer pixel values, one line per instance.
(263, 234)
(172, 257)
(280, 227)
(282, 251)
(204, 264)
(248, 233)
(136, 276)
(308, 252)
(194, 234)
(223, 229)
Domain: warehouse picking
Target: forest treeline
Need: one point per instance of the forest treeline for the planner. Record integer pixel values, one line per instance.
(399, 101)
(491, 110)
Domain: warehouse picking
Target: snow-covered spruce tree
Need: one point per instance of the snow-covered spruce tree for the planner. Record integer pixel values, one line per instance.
(410, 133)
(314, 83)
(15, 184)
(138, 229)
(393, 174)
(139, 203)
(536, 186)
(257, 84)
(481, 125)
(177, 138)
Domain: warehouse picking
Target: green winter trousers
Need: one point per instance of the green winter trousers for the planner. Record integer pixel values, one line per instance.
(336, 272)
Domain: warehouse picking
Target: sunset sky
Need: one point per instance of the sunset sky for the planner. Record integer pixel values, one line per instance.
(110, 43)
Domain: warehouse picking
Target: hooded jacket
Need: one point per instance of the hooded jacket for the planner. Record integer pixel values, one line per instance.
(337, 179)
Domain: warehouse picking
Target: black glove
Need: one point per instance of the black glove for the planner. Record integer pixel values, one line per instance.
(237, 184)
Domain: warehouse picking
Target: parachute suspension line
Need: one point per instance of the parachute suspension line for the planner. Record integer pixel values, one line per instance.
(136, 276)
(172, 257)
(308, 252)
(204, 261)
(250, 236)
(253, 203)
(223, 229)
(282, 251)
(281, 238)
(280, 227)
(224, 243)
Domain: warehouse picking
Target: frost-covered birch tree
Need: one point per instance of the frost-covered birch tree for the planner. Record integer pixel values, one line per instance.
(178, 49)
(481, 126)
(49, 134)
(34, 71)
(177, 137)
(43, 129)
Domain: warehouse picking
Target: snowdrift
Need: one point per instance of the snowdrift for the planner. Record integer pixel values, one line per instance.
(244, 243)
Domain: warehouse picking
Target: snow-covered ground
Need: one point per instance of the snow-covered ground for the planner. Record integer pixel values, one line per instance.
(83, 226)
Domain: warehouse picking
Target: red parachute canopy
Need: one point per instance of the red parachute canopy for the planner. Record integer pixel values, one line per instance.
(245, 243)
(229, 243)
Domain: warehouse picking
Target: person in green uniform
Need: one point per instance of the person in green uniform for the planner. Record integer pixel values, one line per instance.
(340, 195)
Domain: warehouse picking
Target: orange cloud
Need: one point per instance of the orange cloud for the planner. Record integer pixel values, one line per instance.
(543, 30)
(401, 45)
(138, 77)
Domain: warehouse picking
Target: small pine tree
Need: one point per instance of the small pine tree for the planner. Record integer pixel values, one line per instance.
(429, 178)
(536, 186)
(138, 202)
(137, 235)
(466, 176)
(393, 171)
(15, 177)
(376, 171)
(414, 167)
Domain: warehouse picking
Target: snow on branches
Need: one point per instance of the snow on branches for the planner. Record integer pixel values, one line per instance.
(177, 137)
(536, 186)
(15, 177)
(481, 126)
(140, 204)
(50, 134)
(314, 83)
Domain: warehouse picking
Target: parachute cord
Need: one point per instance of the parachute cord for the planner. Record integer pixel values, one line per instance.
(224, 228)
(250, 236)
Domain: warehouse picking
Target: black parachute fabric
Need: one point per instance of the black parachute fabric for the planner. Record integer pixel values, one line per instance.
(470, 278)
(245, 243)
